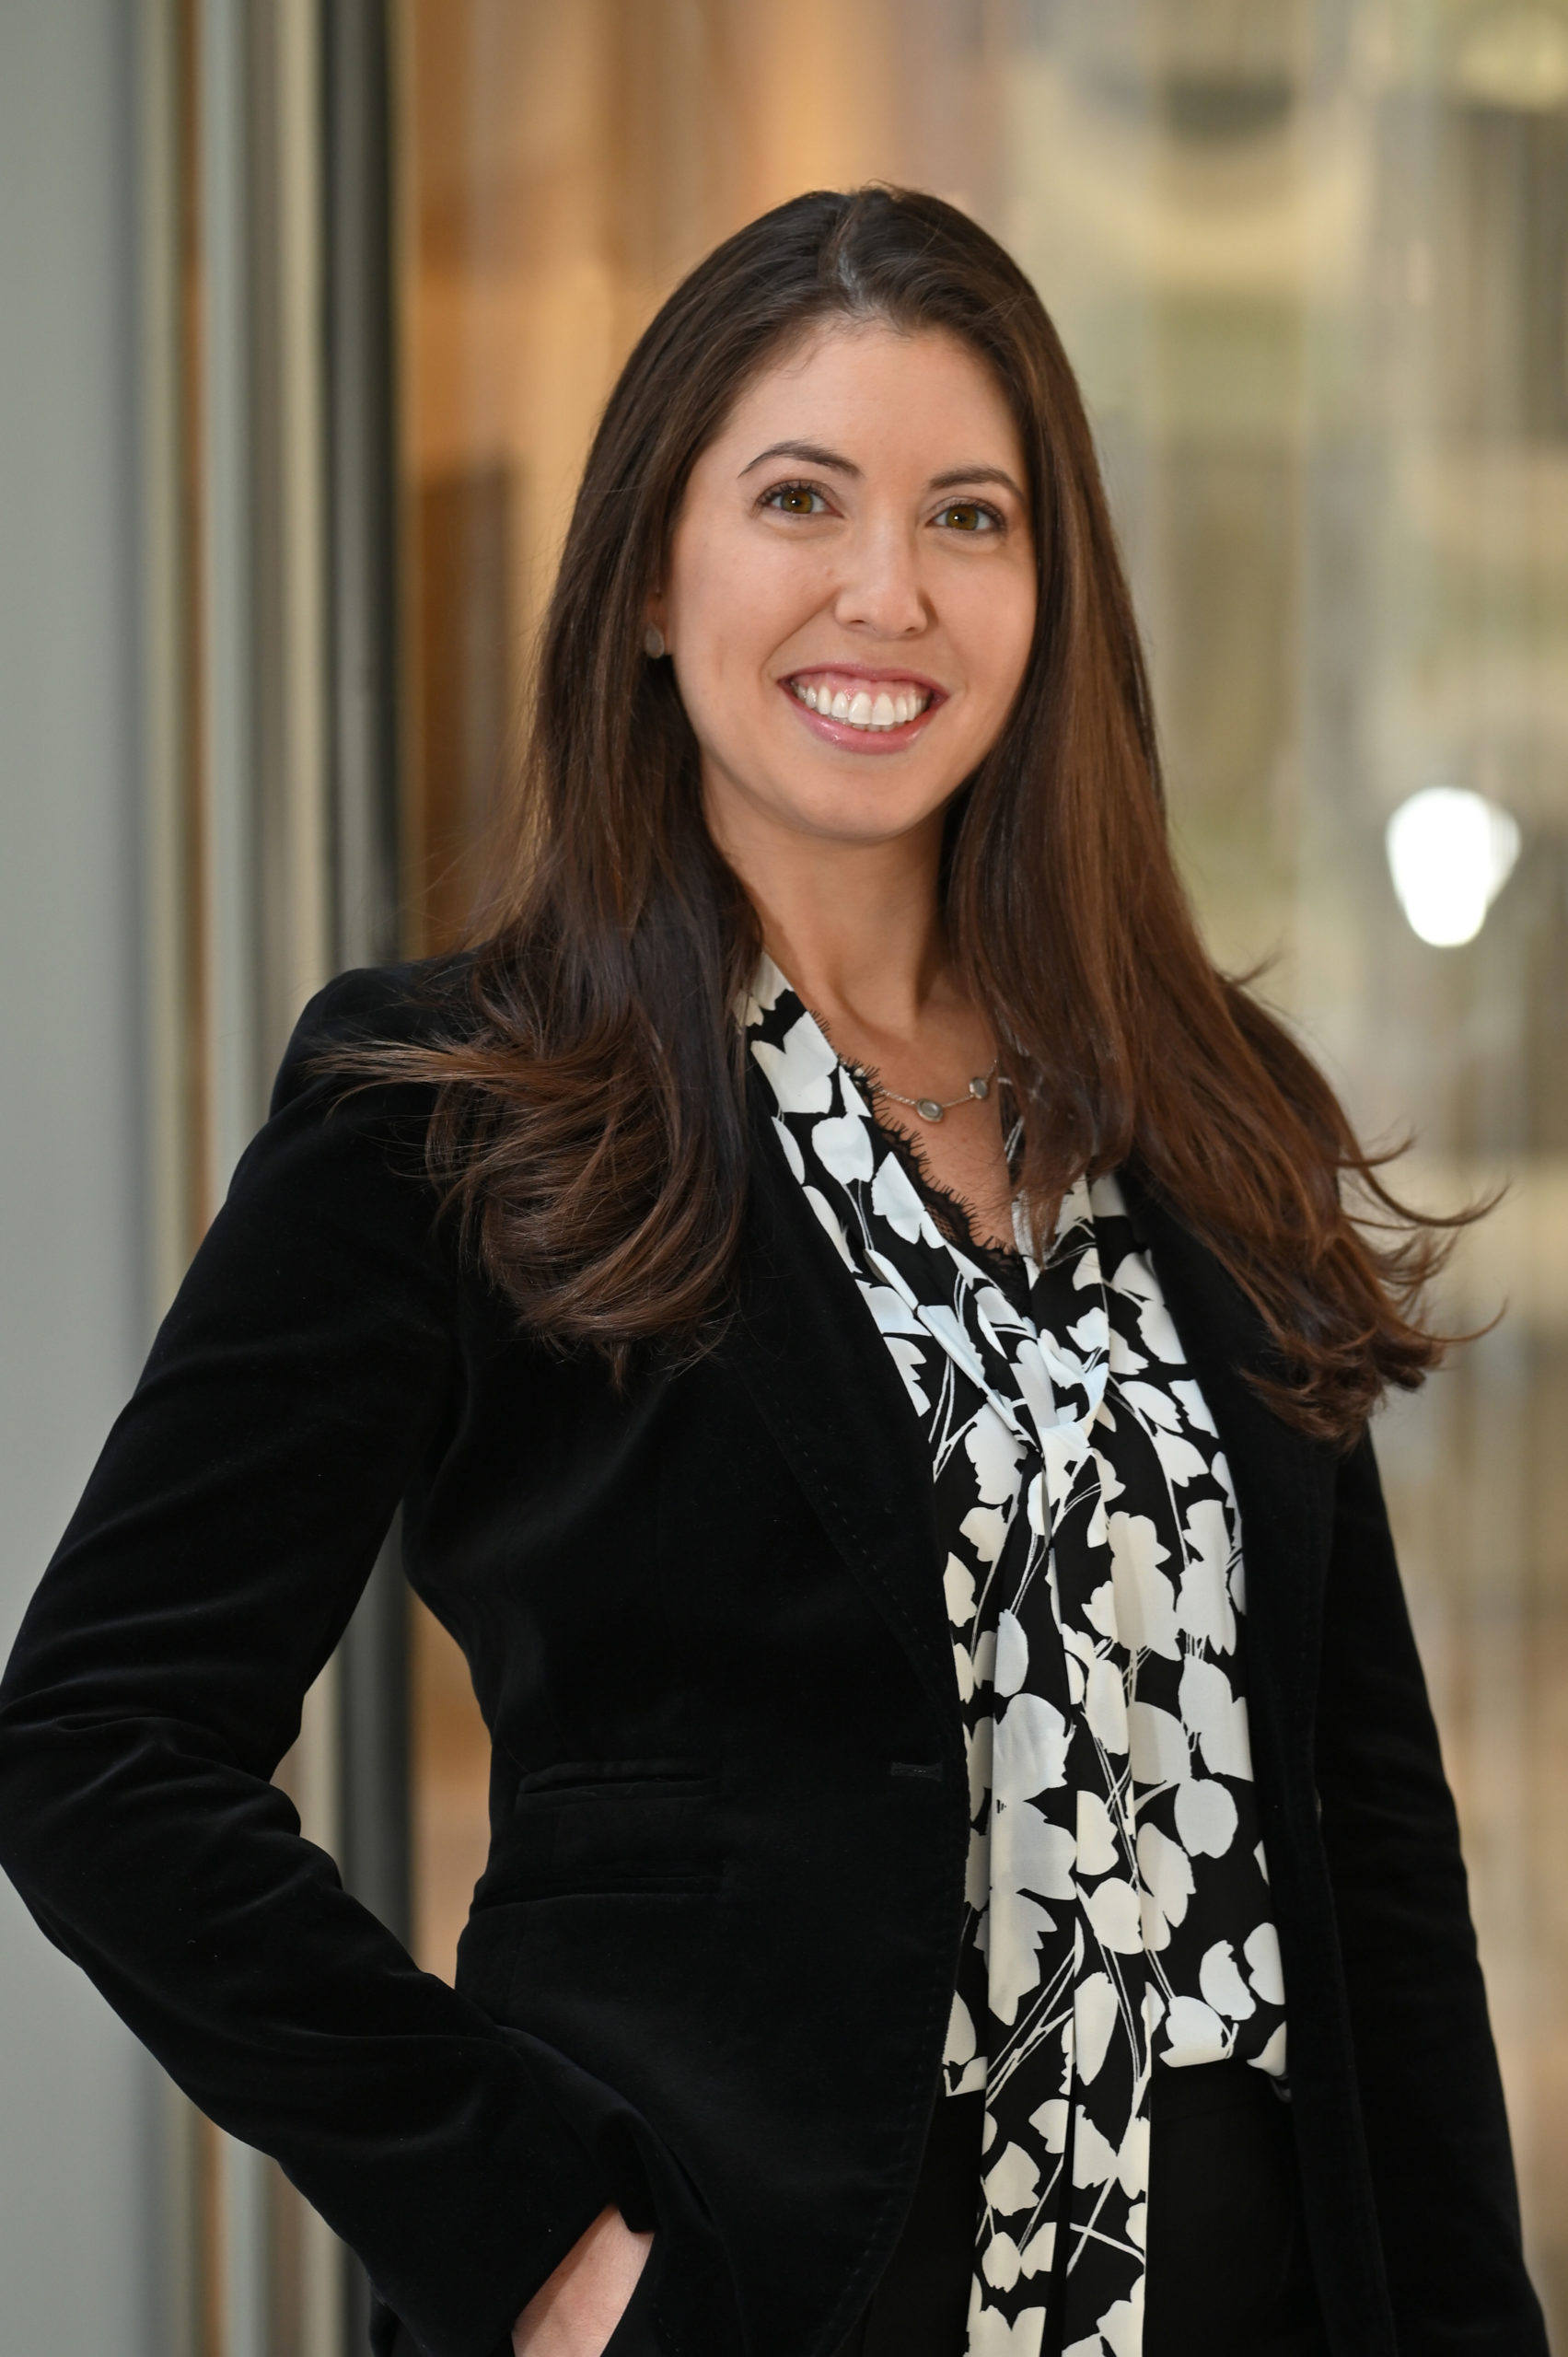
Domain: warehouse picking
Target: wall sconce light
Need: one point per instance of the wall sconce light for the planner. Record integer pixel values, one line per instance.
(1450, 853)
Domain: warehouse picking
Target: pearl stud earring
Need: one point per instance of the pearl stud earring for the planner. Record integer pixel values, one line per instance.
(653, 642)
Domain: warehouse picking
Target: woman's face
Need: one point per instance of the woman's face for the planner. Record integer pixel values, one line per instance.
(851, 596)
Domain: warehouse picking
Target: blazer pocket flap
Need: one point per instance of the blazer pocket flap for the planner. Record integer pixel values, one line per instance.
(606, 1826)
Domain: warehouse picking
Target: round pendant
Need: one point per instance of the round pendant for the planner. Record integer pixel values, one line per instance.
(928, 1108)
(980, 1086)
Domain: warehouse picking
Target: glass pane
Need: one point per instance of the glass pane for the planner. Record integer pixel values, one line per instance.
(1311, 261)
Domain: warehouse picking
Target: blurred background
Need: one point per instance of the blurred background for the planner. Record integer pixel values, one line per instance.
(307, 308)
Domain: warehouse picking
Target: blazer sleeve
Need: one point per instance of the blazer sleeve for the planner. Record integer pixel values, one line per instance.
(1431, 2098)
(223, 1540)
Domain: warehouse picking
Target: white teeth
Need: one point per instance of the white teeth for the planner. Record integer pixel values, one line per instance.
(862, 710)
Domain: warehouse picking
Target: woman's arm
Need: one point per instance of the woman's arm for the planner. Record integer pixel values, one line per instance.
(1430, 2097)
(211, 1567)
(575, 2313)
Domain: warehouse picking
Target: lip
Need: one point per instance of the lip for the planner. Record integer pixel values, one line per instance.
(864, 740)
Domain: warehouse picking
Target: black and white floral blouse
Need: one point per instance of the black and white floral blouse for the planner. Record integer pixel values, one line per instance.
(1118, 1912)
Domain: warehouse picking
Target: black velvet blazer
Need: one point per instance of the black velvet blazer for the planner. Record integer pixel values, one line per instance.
(707, 1971)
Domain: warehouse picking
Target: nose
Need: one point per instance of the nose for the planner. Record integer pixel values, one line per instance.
(880, 590)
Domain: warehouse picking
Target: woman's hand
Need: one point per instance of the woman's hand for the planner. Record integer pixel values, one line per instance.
(575, 2310)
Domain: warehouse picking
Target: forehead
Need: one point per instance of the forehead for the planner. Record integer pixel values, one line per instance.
(876, 392)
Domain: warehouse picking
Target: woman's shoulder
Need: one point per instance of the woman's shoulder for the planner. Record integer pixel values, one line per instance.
(370, 1026)
(415, 1002)
(337, 1179)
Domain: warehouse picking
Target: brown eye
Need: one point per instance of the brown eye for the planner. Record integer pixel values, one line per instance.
(795, 499)
(969, 515)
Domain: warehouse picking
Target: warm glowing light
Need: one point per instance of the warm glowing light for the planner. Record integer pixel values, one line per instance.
(1450, 853)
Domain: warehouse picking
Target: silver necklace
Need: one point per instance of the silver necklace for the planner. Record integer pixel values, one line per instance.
(931, 1108)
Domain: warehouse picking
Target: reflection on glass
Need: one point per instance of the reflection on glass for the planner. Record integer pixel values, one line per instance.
(1310, 259)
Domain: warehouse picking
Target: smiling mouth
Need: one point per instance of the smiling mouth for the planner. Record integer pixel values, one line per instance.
(852, 705)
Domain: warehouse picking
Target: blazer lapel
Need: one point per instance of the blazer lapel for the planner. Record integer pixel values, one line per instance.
(1284, 1479)
(1285, 1490)
(825, 1384)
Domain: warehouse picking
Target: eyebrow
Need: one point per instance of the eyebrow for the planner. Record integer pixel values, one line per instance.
(813, 454)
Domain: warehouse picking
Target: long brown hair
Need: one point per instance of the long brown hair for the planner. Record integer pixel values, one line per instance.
(589, 1121)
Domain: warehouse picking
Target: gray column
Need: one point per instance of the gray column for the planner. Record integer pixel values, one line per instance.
(79, 2111)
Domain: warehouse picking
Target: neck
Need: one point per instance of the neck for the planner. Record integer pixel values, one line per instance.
(857, 928)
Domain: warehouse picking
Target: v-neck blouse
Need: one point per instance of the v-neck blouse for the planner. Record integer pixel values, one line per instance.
(1117, 1907)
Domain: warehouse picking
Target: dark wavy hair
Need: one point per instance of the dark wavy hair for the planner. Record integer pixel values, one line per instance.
(589, 1121)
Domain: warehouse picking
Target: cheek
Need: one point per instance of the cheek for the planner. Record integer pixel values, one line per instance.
(1000, 631)
(735, 605)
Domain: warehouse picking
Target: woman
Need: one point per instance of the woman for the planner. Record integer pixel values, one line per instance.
(842, 1290)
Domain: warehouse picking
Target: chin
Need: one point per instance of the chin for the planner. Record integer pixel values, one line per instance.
(862, 827)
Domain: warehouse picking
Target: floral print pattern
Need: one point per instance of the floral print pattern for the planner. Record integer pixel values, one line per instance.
(1117, 1907)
